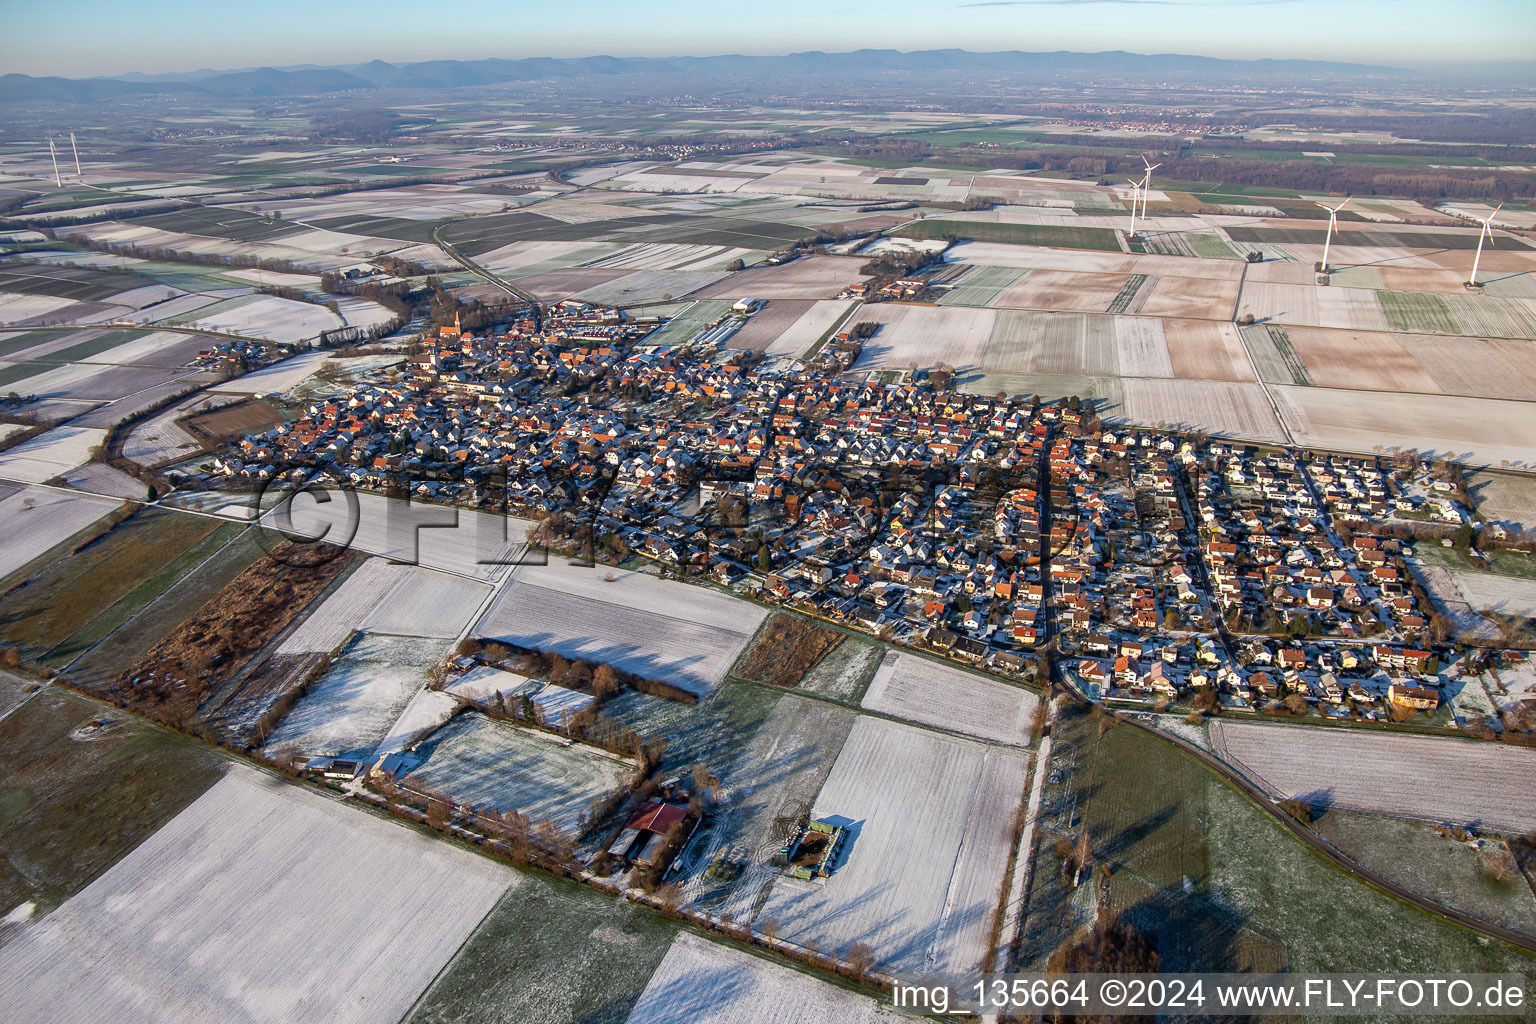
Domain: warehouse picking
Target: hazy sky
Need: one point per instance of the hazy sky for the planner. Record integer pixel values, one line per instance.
(81, 38)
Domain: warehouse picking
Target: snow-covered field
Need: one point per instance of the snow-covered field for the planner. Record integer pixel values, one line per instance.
(925, 335)
(354, 706)
(456, 540)
(493, 765)
(161, 439)
(686, 635)
(261, 902)
(703, 982)
(931, 693)
(1423, 777)
(37, 518)
(552, 702)
(267, 316)
(1217, 407)
(932, 824)
(1510, 595)
(428, 710)
(808, 327)
(383, 597)
(527, 257)
(1473, 429)
(50, 454)
(18, 307)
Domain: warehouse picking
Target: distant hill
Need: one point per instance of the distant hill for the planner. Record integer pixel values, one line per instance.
(457, 74)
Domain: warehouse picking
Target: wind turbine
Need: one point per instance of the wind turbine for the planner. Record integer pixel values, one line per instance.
(1487, 233)
(54, 154)
(1135, 197)
(76, 150)
(1146, 184)
(1333, 224)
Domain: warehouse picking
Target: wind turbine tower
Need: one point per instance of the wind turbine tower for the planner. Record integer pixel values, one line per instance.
(1146, 185)
(1333, 225)
(1487, 233)
(55, 156)
(1135, 198)
(76, 150)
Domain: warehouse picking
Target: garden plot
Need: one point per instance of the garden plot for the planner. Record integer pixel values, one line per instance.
(1206, 350)
(644, 286)
(1480, 430)
(385, 597)
(203, 920)
(1510, 595)
(808, 328)
(1422, 777)
(353, 706)
(272, 318)
(931, 693)
(37, 518)
(491, 765)
(703, 982)
(930, 819)
(50, 454)
(1217, 407)
(688, 636)
(1372, 360)
(925, 335)
(809, 277)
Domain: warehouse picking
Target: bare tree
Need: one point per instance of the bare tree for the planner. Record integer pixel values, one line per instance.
(860, 957)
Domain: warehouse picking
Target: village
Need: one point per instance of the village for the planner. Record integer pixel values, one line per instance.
(1141, 567)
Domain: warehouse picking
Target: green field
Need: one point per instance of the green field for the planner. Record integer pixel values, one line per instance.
(1411, 854)
(72, 805)
(550, 951)
(173, 595)
(982, 286)
(220, 221)
(75, 600)
(401, 228)
(1417, 312)
(1222, 884)
(1060, 237)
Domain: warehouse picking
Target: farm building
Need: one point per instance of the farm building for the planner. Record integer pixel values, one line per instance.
(645, 837)
(748, 305)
